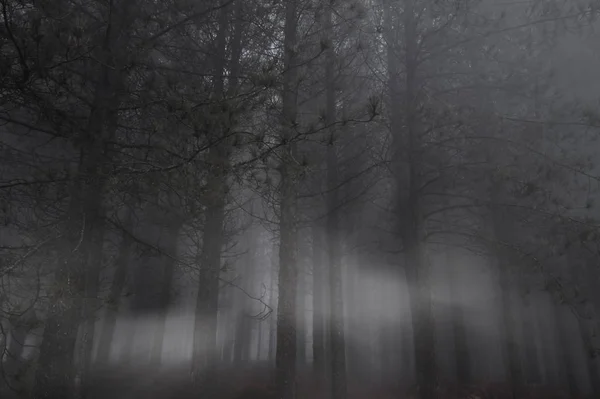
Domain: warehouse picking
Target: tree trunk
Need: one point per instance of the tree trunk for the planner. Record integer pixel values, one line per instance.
(533, 373)
(508, 320)
(319, 274)
(13, 361)
(566, 361)
(417, 265)
(336, 290)
(501, 231)
(76, 278)
(205, 327)
(243, 338)
(116, 291)
(301, 323)
(273, 304)
(166, 288)
(90, 309)
(285, 357)
(459, 330)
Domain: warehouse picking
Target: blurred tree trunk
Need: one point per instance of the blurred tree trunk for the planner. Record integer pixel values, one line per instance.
(243, 336)
(217, 188)
(336, 289)
(301, 323)
(169, 261)
(586, 334)
(20, 326)
(285, 357)
(273, 304)
(319, 274)
(589, 327)
(508, 317)
(74, 297)
(407, 152)
(566, 361)
(259, 339)
(533, 373)
(116, 291)
(228, 325)
(459, 329)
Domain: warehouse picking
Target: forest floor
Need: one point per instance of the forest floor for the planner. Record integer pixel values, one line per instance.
(253, 382)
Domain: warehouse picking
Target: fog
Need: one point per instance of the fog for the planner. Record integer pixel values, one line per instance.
(299, 199)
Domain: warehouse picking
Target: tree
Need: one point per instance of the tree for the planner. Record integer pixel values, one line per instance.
(285, 357)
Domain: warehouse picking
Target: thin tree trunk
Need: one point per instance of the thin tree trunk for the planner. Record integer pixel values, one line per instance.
(319, 326)
(285, 357)
(272, 317)
(566, 361)
(243, 339)
(115, 293)
(336, 290)
(585, 331)
(20, 328)
(461, 347)
(532, 368)
(301, 323)
(417, 265)
(509, 321)
(259, 340)
(501, 232)
(166, 288)
(90, 309)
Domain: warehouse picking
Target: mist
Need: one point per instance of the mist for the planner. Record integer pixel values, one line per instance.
(299, 199)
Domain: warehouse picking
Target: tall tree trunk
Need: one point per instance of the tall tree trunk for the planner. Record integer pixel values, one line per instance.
(273, 304)
(241, 346)
(410, 227)
(336, 290)
(229, 327)
(174, 225)
(533, 373)
(76, 284)
(586, 334)
(417, 265)
(509, 322)
(285, 357)
(566, 360)
(259, 340)
(116, 291)
(90, 308)
(319, 274)
(502, 233)
(20, 326)
(205, 326)
(459, 330)
(243, 338)
(301, 317)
